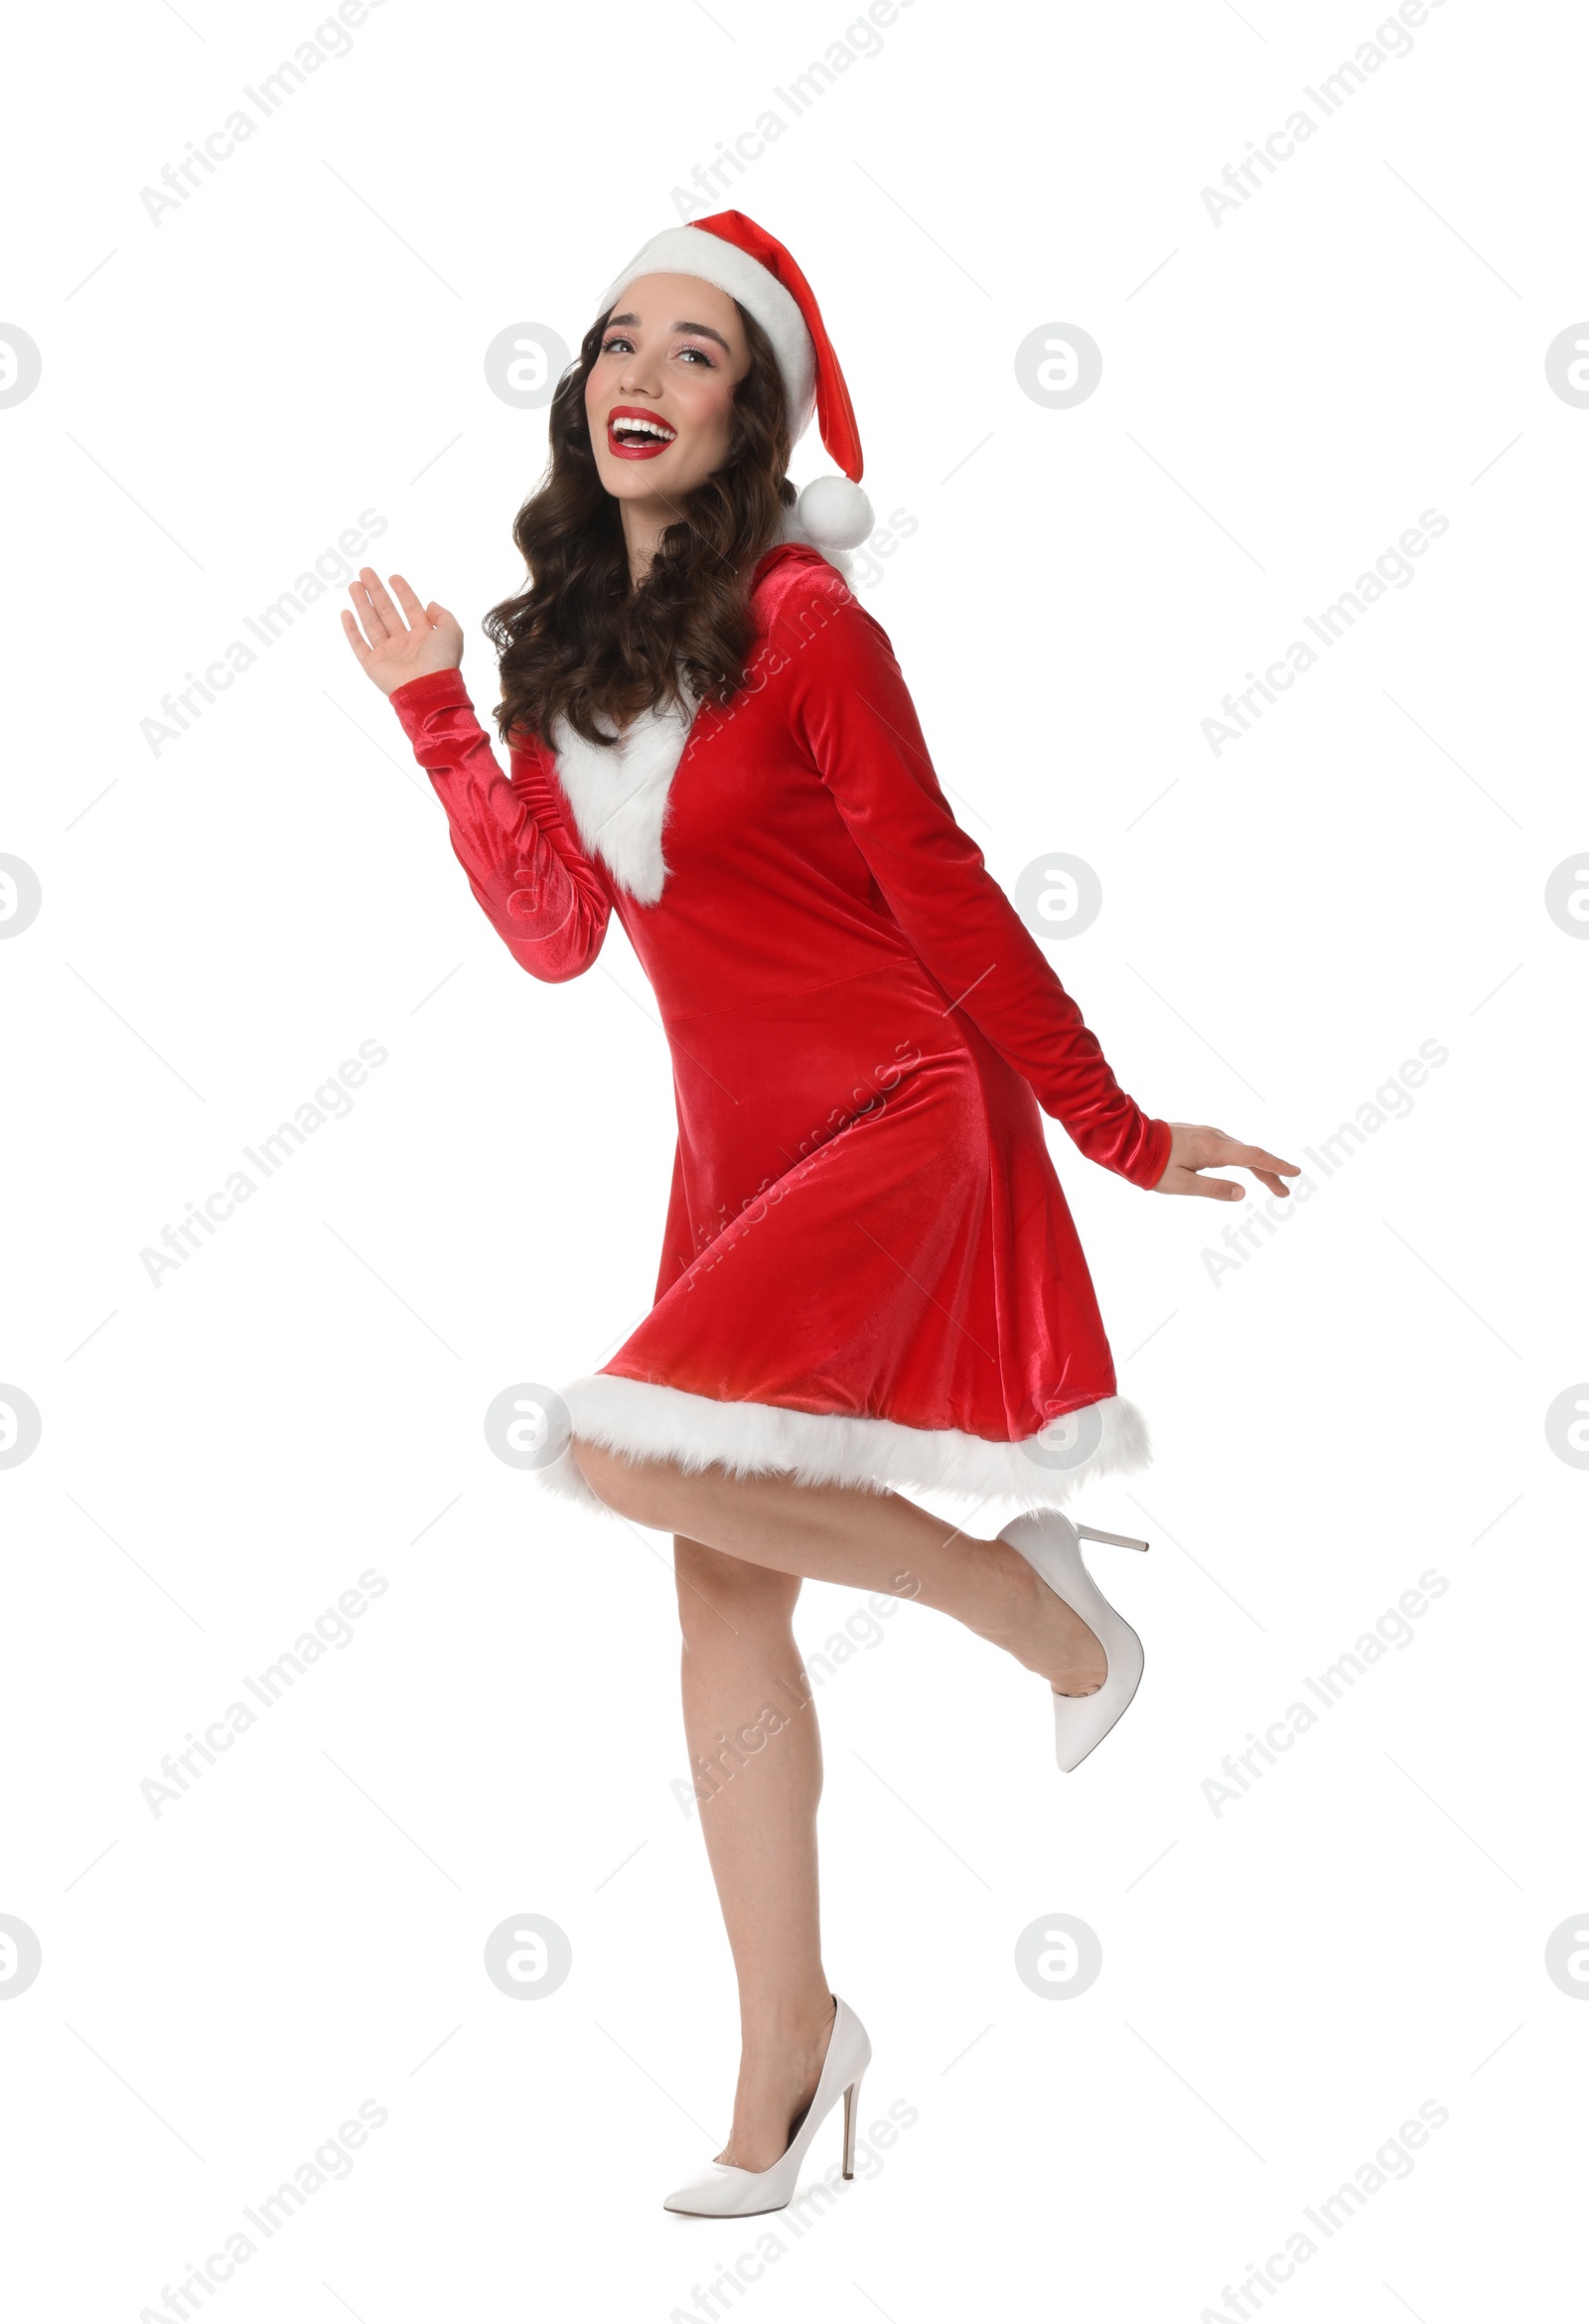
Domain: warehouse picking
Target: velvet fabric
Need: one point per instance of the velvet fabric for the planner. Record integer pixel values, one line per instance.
(864, 1220)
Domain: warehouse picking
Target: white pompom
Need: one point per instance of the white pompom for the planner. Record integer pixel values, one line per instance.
(834, 513)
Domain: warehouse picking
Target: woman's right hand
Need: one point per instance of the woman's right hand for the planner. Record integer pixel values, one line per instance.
(390, 648)
(1195, 1146)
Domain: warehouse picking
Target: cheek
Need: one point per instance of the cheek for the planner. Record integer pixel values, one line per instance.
(713, 415)
(601, 384)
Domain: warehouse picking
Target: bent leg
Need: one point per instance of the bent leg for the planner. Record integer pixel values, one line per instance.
(869, 1540)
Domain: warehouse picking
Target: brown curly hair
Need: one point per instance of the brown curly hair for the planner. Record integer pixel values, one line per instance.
(582, 644)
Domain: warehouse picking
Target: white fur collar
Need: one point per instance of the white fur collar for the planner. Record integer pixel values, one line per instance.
(618, 796)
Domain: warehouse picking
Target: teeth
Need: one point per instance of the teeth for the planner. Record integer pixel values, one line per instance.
(643, 426)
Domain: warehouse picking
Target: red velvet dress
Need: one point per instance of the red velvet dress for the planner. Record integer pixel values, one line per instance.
(869, 1271)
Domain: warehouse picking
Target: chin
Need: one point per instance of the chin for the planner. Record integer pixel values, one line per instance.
(629, 481)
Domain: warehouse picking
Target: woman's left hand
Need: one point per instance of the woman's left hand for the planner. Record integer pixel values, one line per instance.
(1195, 1148)
(398, 649)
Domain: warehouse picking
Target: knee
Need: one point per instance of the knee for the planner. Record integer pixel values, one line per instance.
(613, 1477)
(723, 1599)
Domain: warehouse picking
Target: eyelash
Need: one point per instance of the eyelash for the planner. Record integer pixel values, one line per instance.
(620, 339)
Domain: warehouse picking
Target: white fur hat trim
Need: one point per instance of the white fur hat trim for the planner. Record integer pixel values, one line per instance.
(693, 250)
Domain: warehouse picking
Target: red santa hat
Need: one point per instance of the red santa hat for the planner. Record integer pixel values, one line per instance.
(736, 255)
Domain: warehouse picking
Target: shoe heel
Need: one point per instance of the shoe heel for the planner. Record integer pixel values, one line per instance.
(1119, 1541)
(1054, 1548)
(852, 2098)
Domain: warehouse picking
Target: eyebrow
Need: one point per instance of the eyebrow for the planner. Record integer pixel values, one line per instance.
(702, 329)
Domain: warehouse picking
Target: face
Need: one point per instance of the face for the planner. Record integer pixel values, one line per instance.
(659, 397)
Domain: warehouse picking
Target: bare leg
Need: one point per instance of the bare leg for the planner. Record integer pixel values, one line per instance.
(871, 1540)
(740, 1545)
(753, 1741)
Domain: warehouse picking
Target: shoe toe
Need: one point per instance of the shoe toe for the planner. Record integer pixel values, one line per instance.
(714, 2197)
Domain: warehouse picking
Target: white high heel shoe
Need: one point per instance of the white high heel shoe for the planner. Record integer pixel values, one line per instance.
(730, 2193)
(1051, 1544)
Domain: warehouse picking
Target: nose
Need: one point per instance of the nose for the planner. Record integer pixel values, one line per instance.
(637, 377)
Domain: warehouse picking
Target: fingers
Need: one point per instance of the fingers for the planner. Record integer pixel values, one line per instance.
(1184, 1180)
(1207, 1147)
(1221, 1147)
(1179, 1180)
(1223, 1190)
(418, 618)
(1198, 1146)
(1257, 1159)
(374, 629)
(384, 625)
(1227, 1189)
(1265, 1167)
(355, 636)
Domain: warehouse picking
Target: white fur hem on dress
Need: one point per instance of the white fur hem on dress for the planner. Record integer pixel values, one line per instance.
(650, 1421)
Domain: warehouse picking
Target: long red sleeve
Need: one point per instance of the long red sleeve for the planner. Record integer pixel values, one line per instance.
(530, 877)
(855, 716)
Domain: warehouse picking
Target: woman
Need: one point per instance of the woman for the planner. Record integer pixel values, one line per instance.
(870, 1275)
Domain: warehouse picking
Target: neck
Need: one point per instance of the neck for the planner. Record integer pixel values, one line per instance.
(644, 523)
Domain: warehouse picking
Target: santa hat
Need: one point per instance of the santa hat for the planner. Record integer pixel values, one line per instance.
(733, 254)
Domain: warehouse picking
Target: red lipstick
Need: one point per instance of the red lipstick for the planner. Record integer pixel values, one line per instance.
(633, 434)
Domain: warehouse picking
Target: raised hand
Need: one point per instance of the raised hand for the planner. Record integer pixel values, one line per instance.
(391, 650)
(1195, 1148)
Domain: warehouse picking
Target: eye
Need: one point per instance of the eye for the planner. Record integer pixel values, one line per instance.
(617, 343)
(701, 355)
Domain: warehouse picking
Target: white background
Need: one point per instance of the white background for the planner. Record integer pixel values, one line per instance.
(1283, 393)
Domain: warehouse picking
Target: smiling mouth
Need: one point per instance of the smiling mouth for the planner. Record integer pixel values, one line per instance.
(638, 435)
